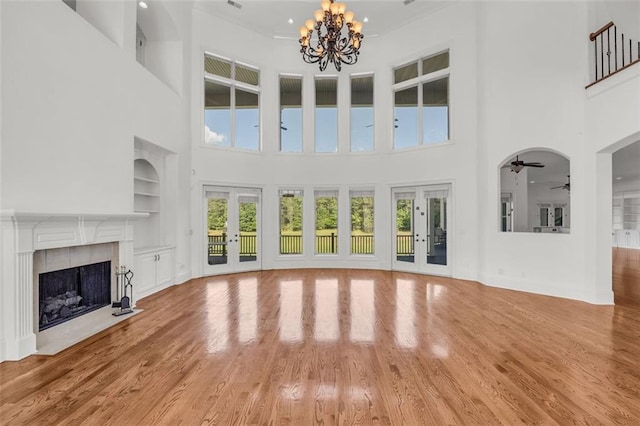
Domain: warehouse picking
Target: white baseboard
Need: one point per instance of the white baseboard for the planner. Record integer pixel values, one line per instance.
(18, 349)
(3, 346)
(625, 247)
(535, 287)
(183, 277)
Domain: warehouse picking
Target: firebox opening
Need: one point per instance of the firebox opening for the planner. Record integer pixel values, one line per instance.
(68, 293)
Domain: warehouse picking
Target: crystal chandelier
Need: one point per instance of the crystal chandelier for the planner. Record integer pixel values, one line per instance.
(332, 45)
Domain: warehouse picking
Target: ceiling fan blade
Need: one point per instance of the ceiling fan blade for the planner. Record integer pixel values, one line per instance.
(533, 165)
(557, 187)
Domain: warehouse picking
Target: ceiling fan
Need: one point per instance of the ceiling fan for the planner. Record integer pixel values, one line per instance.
(395, 125)
(566, 186)
(281, 126)
(517, 165)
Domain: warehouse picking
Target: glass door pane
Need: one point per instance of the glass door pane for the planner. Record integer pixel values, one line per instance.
(217, 222)
(505, 212)
(233, 229)
(405, 230)
(544, 216)
(248, 227)
(436, 231)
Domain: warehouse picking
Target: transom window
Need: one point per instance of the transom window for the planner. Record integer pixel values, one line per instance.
(326, 114)
(421, 102)
(362, 120)
(231, 104)
(290, 113)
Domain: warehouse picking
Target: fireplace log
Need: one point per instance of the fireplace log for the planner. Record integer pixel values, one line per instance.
(65, 312)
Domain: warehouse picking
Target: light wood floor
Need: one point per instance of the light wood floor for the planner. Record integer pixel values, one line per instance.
(348, 347)
(626, 276)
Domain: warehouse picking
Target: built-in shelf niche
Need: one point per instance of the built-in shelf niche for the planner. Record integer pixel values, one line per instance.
(631, 211)
(626, 210)
(146, 187)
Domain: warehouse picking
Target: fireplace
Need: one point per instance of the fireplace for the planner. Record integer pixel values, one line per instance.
(38, 243)
(68, 293)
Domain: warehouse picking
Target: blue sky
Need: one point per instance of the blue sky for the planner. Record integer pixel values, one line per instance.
(435, 128)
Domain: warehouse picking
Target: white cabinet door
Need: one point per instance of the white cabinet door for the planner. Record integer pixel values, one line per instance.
(153, 272)
(145, 274)
(164, 268)
(628, 238)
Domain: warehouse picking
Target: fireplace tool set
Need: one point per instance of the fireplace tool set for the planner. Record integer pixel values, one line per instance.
(123, 283)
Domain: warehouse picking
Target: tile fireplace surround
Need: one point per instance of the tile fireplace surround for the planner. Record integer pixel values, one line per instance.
(24, 234)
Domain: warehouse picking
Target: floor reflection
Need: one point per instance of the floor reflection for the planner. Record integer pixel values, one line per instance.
(218, 302)
(326, 392)
(293, 391)
(405, 314)
(435, 292)
(326, 312)
(248, 309)
(243, 349)
(290, 319)
(362, 310)
(435, 329)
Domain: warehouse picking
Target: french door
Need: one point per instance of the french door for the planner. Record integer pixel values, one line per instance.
(232, 229)
(421, 223)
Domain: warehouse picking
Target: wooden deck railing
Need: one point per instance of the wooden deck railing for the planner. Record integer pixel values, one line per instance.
(325, 244)
(292, 244)
(612, 52)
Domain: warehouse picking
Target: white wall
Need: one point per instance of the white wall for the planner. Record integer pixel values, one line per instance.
(452, 27)
(106, 16)
(531, 95)
(612, 111)
(76, 101)
(625, 14)
(72, 103)
(508, 93)
(4, 316)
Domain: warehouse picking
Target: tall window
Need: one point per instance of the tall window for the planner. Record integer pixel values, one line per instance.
(290, 114)
(326, 114)
(231, 104)
(362, 222)
(421, 102)
(291, 221)
(326, 221)
(362, 113)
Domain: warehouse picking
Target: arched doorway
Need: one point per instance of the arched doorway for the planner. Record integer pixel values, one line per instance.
(626, 224)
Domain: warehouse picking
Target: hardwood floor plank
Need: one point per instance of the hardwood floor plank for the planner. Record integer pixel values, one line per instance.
(343, 347)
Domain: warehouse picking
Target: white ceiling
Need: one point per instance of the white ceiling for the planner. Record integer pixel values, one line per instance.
(554, 172)
(270, 17)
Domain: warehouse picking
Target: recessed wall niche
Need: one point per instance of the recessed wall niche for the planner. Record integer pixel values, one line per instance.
(149, 193)
(535, 193)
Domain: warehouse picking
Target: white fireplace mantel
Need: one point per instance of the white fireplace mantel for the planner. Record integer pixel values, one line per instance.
(25, 232)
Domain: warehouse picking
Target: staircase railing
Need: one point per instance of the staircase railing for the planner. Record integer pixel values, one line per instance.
(608, 62)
